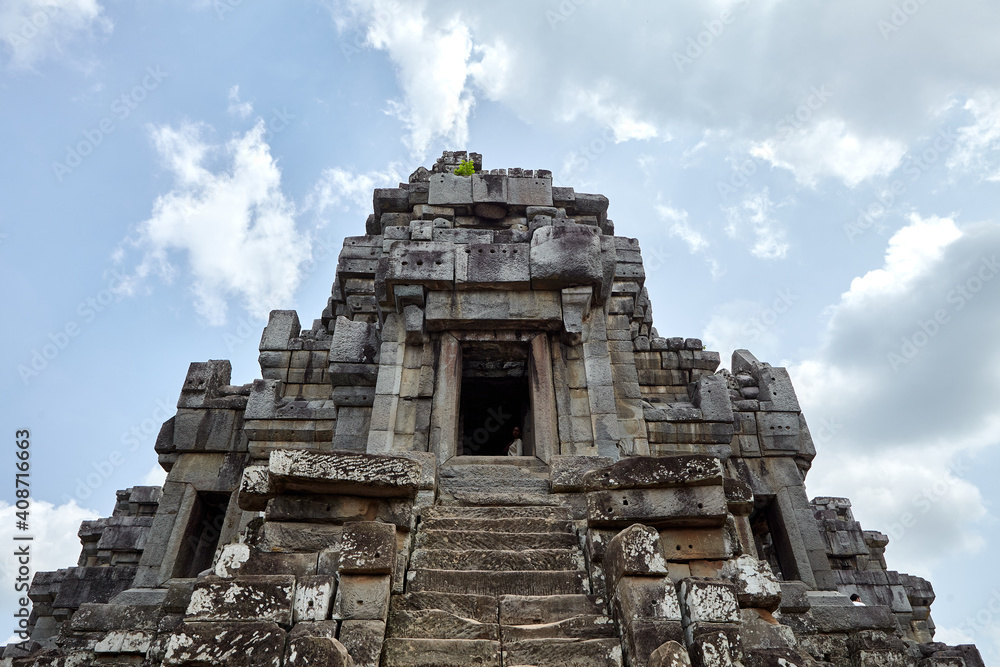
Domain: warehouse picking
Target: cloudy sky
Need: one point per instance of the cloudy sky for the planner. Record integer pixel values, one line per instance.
(812, 180)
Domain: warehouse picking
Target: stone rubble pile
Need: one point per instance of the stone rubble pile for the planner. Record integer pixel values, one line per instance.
(355, 506)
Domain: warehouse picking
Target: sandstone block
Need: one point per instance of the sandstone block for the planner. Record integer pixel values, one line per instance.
(307, 650)
(634, 551)
(645, 598)
(362, 597)
(450, 190)
(756, 585)
(529, 191)
(368, 547)
(313, 597)
(254, 644)
(681, 506)
(363, 641)
(566, 255)
(263, 598)
(351, 474)
(656, 472)
(708, 601)
(669, 654)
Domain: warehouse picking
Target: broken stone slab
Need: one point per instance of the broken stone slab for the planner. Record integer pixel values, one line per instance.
(91, 617)
(398, 652)
(253, 644)
(261, 598)
(438, 624)
(656, 472)
(673, 507)
(344, 473)
(493, 309)
(306, 650)
(635, 551)
(125, 641)
(368, 547)
(756, 585)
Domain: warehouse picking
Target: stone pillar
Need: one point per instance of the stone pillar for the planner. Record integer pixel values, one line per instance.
(445, 404)
(543, 398)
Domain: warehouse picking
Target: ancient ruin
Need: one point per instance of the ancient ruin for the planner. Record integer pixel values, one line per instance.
(357, 505)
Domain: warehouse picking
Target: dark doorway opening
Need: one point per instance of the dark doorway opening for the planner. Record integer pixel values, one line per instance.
(201, 537)
(491, 408)
(494, 398)
(771, 538)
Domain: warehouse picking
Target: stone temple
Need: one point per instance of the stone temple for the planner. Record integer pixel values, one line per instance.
(356, 504)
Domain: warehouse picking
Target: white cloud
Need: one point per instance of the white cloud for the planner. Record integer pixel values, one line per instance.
(342, 189)
(433, 64)
(755, 213)
(908, 373)
(234, 227)
(55, 544)
(237, 107)
(680, 227)
(978, 146)
(34, 30)
(829, 148)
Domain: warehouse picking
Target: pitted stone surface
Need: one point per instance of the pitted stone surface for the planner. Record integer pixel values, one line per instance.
(652, 472)
(354, 474)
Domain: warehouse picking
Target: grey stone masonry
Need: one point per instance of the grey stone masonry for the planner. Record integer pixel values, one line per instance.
(482, 452)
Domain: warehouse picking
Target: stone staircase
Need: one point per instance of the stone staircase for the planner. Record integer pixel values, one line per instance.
(492, 586)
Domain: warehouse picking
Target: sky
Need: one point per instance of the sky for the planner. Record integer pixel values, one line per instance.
(810, 180)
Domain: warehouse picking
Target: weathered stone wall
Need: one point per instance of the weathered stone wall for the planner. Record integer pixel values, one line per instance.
(329, 513)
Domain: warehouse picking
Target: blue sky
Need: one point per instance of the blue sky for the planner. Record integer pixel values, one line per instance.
(814, 181)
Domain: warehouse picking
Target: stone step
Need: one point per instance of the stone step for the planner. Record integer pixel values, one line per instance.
(514, 582)
(509, 525)
(482, 608)
(564, 652)
(538, 609)
(507, 512)
(497, 560)
(397, 652)
(437, 624)
(468, 539)
(577, 627)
